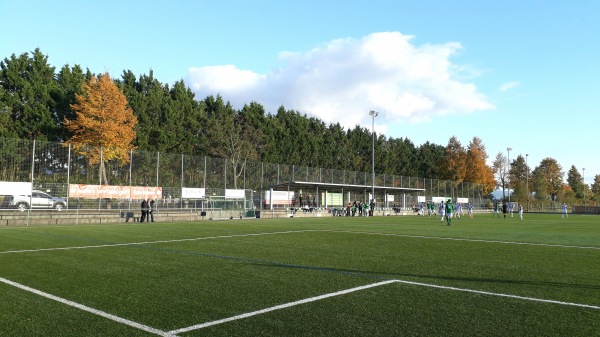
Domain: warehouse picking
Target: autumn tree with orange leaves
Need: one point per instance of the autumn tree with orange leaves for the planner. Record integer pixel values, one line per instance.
(103, 128)
(477, 170)
(453, 162)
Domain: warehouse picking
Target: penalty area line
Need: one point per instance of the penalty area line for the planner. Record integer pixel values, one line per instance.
(279, 307)
(347, 291)
(524, 298)
(88, 309)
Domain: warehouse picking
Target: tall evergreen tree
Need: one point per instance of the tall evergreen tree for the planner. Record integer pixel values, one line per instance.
(401, 157)
(429, 156)
(575, 180)
(360, 143)
(335, 148)
(29, 86)
(70, 83)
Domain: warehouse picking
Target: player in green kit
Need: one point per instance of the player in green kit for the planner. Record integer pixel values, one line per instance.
(496, 210)
(449, 211)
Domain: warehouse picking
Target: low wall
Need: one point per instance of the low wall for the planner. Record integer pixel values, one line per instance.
(74, 217)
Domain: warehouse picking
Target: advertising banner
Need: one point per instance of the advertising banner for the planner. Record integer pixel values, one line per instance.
(235, 194)
(193, 193)
(14, 188)
(114, 192)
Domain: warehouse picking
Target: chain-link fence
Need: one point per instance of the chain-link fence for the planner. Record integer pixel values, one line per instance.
(177, 181)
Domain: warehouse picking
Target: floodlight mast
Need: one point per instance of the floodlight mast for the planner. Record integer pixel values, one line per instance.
(373, 114)
(508, 149)
(527, 167)
(583, 179)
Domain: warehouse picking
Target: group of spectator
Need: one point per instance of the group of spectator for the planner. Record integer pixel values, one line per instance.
(357, 208)
(147, 210)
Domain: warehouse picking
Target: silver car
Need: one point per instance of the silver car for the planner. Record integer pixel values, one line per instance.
(38, 199)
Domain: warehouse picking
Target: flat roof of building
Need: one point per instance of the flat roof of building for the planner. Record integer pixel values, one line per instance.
(331, 186)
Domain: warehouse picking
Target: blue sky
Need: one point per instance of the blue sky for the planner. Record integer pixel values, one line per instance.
(519, 74)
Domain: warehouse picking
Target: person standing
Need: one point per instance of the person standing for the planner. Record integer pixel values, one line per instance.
(504, 209)
(564, 210)
(442, 211)
(449, 211)
(521, 211)
(144, 207)
(496, 210)
(151, 211)
(470, 210)
(372, 207)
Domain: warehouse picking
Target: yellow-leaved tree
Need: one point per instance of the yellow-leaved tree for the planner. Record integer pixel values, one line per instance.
(477, 170)
(103, 128)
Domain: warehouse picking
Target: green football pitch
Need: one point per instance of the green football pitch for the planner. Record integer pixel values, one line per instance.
(322, 276)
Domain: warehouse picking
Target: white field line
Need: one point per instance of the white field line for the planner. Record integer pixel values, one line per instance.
(279, 307)
(149, 242)
(299, 231)
(524, 298)
(88, 309)
(343, 292)
(461, 239)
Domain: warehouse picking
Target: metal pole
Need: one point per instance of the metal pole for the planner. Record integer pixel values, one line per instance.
(584, 206)
(527, 168)
(373, 114)
(68, 174)
(508, 171)
(32, 179)
(157, 166)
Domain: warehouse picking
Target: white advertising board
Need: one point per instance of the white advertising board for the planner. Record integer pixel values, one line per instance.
(193, 193)
(14, 188)
(235, 194)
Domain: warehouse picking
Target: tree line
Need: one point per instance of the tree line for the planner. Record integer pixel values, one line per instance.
(39, 102)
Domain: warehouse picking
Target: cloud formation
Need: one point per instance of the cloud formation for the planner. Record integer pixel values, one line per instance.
(509, 85)
(344, 79)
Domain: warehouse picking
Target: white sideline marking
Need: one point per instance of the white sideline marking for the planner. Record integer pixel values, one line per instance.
(88, 309)
(297, 231)
(463, 239)
(279, 307)
(149, 242)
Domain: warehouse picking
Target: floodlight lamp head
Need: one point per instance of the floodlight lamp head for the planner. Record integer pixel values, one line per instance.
(373, 113)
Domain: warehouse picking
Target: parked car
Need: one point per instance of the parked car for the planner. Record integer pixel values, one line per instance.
(38, 199)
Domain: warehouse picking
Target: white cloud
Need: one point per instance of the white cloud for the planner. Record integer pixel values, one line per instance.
(509, 85)
(346, 78)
